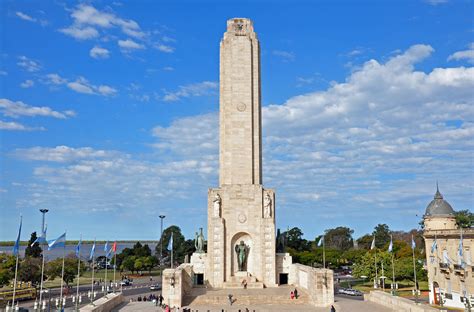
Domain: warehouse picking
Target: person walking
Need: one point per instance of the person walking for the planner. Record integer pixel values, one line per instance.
(333, 309)
(292, 295)
(230, 299)
(296, 293)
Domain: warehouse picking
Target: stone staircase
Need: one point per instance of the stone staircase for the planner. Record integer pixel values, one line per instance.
(236, 282)
(245, 297)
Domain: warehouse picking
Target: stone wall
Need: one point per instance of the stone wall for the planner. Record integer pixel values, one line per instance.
(104, 304)
(176, 284)
(398, 304)
(318, 283)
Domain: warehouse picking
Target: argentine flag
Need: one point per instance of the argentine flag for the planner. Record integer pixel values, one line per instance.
(413, 244)
(460, 253)
(16, 247)
(321, 240)
(434, 246)
(58, 242)
(92, 251)
(106, 246)
(170, 244)
(373, 244)
(78, 247)
(390, 247)
(42, 238)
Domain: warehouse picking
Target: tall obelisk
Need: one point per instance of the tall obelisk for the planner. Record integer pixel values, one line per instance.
(241, 214)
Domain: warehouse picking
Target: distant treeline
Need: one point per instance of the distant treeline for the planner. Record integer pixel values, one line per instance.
(74, 242)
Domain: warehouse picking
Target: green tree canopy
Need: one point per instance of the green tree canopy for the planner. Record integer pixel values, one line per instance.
(464, 218)
(7, 268)
(339, 238)
(365, 242)
(54, 267)
(30, 270)
(382, 235)
(295, 240)
(34, 251)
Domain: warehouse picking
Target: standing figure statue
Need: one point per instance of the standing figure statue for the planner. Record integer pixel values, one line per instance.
(242, 255)
(199, 242)
(267, 206)
(217, 206)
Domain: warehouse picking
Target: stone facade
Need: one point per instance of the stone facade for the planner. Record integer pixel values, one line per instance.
(450, 277)
(240, 209)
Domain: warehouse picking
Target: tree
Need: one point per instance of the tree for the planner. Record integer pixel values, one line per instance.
(295, 240)
(179, 246)
(464, 218)
(138, 265)
(7, 268)
(365, 242)
(33, 250)
(30, 270)
(382, 235)
(128, 264)
(339, 238)
(54, 268)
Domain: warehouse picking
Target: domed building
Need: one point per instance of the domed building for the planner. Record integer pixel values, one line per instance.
(450, 272)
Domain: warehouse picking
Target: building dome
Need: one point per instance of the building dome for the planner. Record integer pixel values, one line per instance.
(438, 206)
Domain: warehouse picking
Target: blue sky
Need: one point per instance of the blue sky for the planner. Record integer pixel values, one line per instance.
(108, 112)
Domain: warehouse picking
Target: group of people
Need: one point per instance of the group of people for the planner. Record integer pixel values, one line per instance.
(152, 297)
(294, 294)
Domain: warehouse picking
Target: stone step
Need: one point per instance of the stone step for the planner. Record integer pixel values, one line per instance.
(252, 285)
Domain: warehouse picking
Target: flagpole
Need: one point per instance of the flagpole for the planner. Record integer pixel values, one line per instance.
(62, 277)
(78, 275)
(376, 271)
(17, 245)
(115, 262)
(172, 249)
(383, 278)
(324, 253)
(105, 278)
(414, 270)
(92, 286)
(393, 274)
(42, 272)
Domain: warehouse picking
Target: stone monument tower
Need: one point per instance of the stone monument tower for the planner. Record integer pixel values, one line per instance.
(241, 212)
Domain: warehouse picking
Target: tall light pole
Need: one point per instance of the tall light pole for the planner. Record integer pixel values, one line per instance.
(43, 211)
(161, 243)
(43, 236)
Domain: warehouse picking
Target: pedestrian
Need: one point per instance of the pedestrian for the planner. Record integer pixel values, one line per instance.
(333, 309)
(292, 295)
(230, 299)
(161, 299)
(296, 293)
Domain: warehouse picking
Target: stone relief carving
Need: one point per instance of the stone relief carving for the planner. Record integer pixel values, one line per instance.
(267, 206)
(217, 206)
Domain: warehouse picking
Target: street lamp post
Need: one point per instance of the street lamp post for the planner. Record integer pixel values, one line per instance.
(161, 245)
(43, 235)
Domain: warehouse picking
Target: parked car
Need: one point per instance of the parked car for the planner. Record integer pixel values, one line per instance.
(125, 283)
(155, 287)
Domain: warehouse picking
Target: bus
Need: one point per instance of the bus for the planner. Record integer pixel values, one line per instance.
(24, 291)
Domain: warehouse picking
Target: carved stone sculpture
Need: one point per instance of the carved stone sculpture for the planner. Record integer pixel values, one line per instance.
(199, 242)
(217, 206)
(267, 206)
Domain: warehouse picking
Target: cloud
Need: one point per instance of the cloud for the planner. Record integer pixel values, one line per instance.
(164, 48)
(192, 90)
(168, 68)
(284, 55)
(3, 73)
(130, 45)
(436, 2)
(99, 53)
(86, 20)
(62, 153)
(16, 109)
(80, 33)
(28, 64)
(15, 126)
(467, 55)
(82, 85)
(55, 79)
(27, 84)
(25, 17)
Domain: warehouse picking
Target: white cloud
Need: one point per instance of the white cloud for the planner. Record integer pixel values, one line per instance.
(436, 2)
(192, 90)
(164, 48)
(27, 84)
(130, 45)
(285, 55)
(25, 17)
(168, 68)
(16, 109)
(15, 126)
(55, 79)
(467, 55)
(62, 153)
(80, 33)
(3, 73)
(28, 64)
(99, 53)
(86, 20)
(82, 85)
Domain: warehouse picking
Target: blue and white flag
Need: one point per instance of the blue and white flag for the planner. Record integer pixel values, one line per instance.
(16, 247)
(92, 251)
(460, 252)
(413, 244)
(373, 244)
(78, 247)
(390, 247)
(170, 244)
(106, 246)
(58, 242)
(434, 246)
(109, 252)
(321, 240)
(41, 239)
